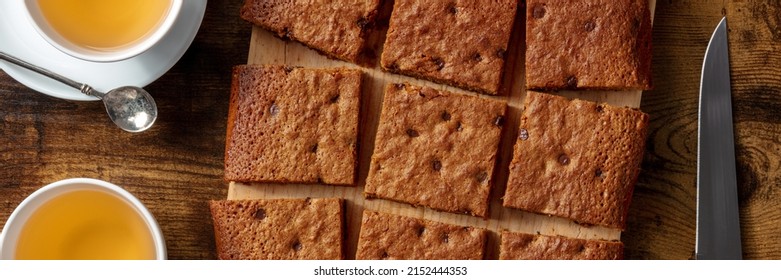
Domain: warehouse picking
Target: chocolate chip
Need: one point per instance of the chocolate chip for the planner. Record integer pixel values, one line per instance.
(480, 177)
(399, 85)
(581, 248)
(334, 99)
(289, 69)
(589, 26)
(363, 23)
(393, 66)
(499, 121)
(436, 165)
(445, 116)
(598, 172)
(452, 9)
(274, 109)
(572, 82)
(260, 214)
(297, 246)
(563, 159)
(445, 238)
(538, 11)
(313, 148)
(523, 134)
(439, 62)
(500, 53)
(458, 126)
(286, 33)
(421, 230)
(412, 133)
(477, 57)
(384, 256)
(600, 108)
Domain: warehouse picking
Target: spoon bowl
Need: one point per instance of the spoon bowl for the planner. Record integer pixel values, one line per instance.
(131, 108)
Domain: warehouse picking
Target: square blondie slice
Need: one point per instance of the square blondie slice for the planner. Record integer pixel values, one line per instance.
(279, 229)
(460, 43)
(435, 149)
(337, 29)
(393, 237)
(588, 44)
(293, 125)
(576, 159)
(523, 246)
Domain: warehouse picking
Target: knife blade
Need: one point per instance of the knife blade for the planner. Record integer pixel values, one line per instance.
(718, 221)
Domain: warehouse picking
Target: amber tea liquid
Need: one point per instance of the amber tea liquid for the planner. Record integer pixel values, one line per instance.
(104, 24)
(85, 225)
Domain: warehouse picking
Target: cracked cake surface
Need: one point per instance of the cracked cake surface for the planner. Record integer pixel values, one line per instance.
(336, 28)
(461, 43)
(293, 125)
(436, 149)
(279, 229)
(588, 44)
(523, 246)
(393, 237)
(576, 159)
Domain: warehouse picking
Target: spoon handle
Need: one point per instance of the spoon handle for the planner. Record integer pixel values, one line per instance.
(84, 88)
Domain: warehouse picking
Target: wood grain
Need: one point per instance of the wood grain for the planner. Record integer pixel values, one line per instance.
(755, 57)
(174, 168)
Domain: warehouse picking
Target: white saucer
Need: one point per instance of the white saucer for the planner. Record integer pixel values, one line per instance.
(19, 38)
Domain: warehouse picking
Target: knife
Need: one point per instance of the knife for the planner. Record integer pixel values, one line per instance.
(718, 221)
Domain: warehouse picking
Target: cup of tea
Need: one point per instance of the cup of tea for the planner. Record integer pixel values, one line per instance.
(103, 30)
(81, 219)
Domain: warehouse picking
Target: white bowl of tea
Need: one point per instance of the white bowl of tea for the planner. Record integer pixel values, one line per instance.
(82, 219)
(103, 30)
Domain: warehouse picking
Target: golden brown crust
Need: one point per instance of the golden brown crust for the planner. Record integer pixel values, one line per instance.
(590, 44)
(232, 106)
(278, 229)
(461, 43)
(293, 125)
(576, 159)
(436, 149)
(393, 237)
(335, 28)
(522, 246)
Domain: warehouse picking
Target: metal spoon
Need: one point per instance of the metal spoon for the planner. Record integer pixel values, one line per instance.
(131, 108)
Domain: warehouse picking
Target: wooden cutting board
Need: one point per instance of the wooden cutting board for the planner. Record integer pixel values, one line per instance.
(267, 49)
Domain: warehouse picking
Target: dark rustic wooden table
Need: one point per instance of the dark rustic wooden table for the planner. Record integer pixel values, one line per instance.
(176, 166)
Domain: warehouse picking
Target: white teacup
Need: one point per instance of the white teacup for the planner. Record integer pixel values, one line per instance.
(81, 219)
(103, 30)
